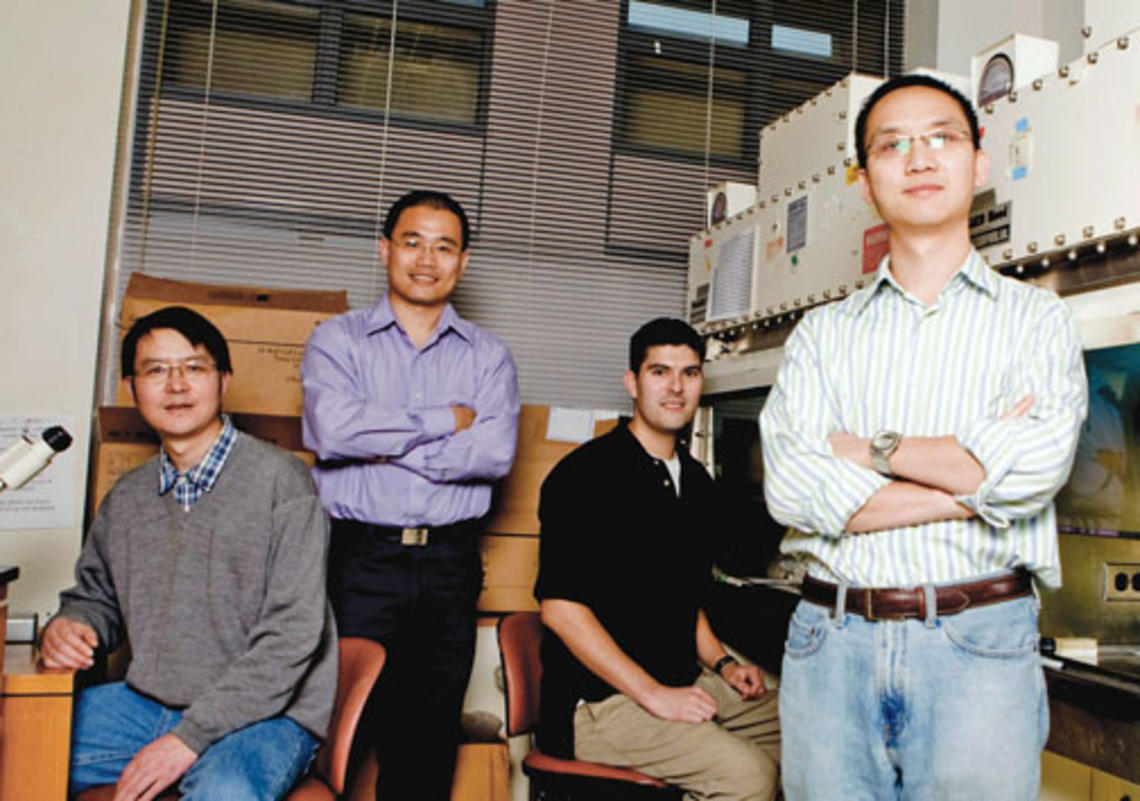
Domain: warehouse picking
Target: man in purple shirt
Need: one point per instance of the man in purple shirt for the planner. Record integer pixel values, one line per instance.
(412, 412)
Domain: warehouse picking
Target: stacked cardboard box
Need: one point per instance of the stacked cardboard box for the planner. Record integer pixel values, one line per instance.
(266, 330)
(510, 547)
(124, 441)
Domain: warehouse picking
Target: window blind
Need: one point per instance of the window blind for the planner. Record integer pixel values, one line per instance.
(272, 135)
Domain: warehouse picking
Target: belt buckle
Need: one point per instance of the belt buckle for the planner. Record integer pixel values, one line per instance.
(414, 536)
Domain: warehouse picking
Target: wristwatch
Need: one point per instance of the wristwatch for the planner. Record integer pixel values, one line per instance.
(883, 445)
(723, 662)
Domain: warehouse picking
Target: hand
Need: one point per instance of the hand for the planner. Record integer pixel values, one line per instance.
(154, 768)
(68, 644)
(748, 680)
(852, 448)
(464, 416)
(1019, 409)
(684, 704)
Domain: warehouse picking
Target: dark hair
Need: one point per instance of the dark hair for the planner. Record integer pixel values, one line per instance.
(432, 199)
(902, 82)
(663, 331)
(196, 328)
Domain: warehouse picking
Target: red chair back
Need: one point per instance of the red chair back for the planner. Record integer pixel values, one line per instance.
(361, 661)
(520, 636)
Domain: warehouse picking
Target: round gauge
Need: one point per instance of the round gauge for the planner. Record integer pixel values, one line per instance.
(997, 79)
(719, 208)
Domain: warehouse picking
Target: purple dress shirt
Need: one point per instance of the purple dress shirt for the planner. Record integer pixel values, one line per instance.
(378, 416)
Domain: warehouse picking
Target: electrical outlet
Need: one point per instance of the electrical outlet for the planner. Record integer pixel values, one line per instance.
(1121, 582)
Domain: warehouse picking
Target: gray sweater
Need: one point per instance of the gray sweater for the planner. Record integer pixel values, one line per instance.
(224, 605)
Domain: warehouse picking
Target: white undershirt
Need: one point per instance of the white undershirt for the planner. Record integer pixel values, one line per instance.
(674, 467)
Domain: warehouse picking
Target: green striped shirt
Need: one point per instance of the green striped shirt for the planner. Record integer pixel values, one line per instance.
(881, 360)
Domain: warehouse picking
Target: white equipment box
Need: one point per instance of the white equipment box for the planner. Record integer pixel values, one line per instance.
(782, 257)
(812, 137)
(1012, 63)
(727, 199)
(721, 268)
(1064, 161)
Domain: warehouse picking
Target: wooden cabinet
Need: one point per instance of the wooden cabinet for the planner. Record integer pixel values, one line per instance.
(1106, 787)
(35, 728)
(1063, 779)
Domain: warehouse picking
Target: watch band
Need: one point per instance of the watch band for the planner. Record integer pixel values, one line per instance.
(727, 659)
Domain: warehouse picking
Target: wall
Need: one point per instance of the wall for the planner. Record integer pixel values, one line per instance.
(61, 64)
(945, 34)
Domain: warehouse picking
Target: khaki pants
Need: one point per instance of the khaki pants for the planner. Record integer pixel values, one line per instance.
(734, 756)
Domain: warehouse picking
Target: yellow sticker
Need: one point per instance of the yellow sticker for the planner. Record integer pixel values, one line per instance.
(852, 173)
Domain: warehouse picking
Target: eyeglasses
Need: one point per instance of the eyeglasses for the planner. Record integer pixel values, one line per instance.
(897, 145)
(443, 248)
(190, 370)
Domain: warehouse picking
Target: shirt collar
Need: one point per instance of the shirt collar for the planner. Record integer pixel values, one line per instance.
(204, 474)
(973, 272)
(381, 317)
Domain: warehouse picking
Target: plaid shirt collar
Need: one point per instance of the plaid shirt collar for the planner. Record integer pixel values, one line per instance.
(189, 486)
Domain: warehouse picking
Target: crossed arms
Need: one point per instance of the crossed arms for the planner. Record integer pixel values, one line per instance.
(818, 476)
(443, 440)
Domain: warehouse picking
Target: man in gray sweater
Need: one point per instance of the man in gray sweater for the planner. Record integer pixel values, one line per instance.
(210, 558)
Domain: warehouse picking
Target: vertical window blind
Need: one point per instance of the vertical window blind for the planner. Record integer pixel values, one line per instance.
(271, 136)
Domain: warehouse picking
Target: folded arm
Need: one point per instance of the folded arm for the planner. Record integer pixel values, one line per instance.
(484, 449)
(806, 485)
(341, 422)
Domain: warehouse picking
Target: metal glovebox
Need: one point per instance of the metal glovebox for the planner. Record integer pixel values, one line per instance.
(811, 137)
(1064, 162)
(721, 268)
(780, 257)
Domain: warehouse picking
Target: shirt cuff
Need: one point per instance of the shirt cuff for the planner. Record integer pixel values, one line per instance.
(992, 443)
(192, 735)
(846, 494)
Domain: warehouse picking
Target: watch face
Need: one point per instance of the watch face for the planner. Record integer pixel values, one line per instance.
(884, 440)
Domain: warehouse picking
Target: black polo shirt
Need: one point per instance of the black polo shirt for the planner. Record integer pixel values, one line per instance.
(616, 538)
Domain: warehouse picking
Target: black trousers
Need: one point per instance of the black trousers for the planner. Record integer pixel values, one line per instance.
(419, 603)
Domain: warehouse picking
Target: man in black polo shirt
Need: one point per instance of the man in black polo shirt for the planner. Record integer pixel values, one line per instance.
(636, 677)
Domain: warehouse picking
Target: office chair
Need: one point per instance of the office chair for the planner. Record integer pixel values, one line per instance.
(553, 778)
(361, 661)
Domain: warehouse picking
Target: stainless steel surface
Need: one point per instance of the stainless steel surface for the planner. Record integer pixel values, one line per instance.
(1079, 609)
(1123, 660)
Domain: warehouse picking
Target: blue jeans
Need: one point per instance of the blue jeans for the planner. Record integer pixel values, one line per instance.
(113, 722)
(950, 708)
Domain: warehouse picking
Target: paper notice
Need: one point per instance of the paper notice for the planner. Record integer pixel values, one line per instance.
(48, 500)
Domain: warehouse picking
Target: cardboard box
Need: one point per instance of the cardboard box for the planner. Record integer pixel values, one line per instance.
(124, 441)
(266, 330)
(510, 566)
(515, 510)
(482, 773)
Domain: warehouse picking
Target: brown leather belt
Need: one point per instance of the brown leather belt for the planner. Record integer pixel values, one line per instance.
(891, 603)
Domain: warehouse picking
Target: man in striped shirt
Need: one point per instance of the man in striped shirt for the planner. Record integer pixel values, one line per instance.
(914, 441)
